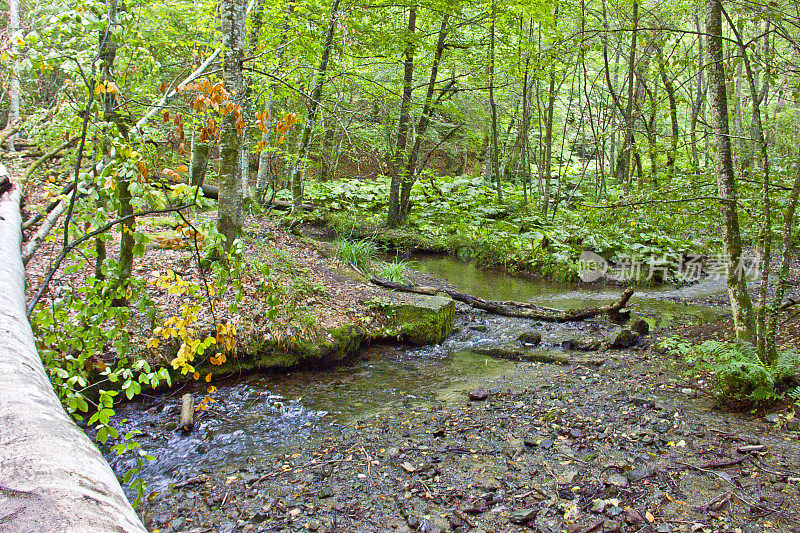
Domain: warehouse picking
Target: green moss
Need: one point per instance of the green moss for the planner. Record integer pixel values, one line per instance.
(323, 350)
(419, 319)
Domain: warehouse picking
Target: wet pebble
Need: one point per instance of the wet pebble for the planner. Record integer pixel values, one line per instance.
(477, 395)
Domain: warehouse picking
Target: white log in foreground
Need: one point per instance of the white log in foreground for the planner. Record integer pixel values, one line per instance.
(52, 477)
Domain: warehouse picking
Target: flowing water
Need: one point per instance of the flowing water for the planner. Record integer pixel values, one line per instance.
(262, 414)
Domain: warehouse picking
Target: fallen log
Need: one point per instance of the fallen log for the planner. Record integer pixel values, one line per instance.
(10, 130)
(212, 192)
(511, 308)
(52, 477)
(52, 153)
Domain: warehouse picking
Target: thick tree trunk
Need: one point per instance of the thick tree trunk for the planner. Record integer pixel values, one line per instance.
(493, 108)
(409, 175)
(264, 156)
(52, 478)
(741, 305)
(231, 197)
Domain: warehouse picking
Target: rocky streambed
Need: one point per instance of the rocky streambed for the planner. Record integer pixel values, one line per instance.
(451, 437)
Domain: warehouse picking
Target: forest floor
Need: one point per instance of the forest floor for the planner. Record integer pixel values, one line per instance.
(629, 446)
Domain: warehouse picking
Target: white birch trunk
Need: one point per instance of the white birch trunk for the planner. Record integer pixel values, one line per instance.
(52, 478)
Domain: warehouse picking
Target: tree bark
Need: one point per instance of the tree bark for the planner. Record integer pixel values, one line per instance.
(409, 175)
(394, 216)
(231, 197)
(741, 305)
(629, 144)
(266, 136)
(495, 152)
(52, 477)
(298, 174)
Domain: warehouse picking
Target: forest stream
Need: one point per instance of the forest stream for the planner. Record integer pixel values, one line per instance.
(258, 419)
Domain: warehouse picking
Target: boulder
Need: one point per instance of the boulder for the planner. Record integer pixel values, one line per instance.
(530, 337)
(421, 319)
(625, 339)
(640, 326)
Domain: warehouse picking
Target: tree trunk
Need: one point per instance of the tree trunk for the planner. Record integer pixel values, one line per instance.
(394, 216)
(493, 107)
(629, 144)
(741, 305)
(52, 477)
(13, 82)
(298, 174)
(673, 115)
(265, 155)
(231, 195)
(108, 100)
(409, 175)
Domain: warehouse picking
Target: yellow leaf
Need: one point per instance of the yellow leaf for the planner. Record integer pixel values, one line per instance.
(182, 168)
(152, 343)
(649, 516)
(208, 377)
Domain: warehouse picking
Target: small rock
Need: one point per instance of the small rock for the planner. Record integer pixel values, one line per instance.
(522, 516)
(575, 433)
(478, 395)
(546, 444)
(639, 474)
(313, 525)
(615, 510)
(687, 391)
(567, 477)
(611, 526)
(664, 528)
(618, 480)
(598, 505)
(772, 418)
(530, 337)
(640, 326)
(177, 524)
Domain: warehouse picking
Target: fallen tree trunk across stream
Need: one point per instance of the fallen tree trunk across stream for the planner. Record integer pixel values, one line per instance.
(514, 309)
(52, 477)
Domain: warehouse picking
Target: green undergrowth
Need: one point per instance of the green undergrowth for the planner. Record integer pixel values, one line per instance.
(737, 374)
(461, 216)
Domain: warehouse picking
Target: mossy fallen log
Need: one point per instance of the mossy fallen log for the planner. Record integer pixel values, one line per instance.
(511, 308)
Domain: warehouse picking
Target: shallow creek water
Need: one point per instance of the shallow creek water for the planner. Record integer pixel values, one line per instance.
(261, 414)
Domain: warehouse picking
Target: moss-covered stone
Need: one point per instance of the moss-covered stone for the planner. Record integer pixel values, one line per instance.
(420, 319)
(323, 350)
